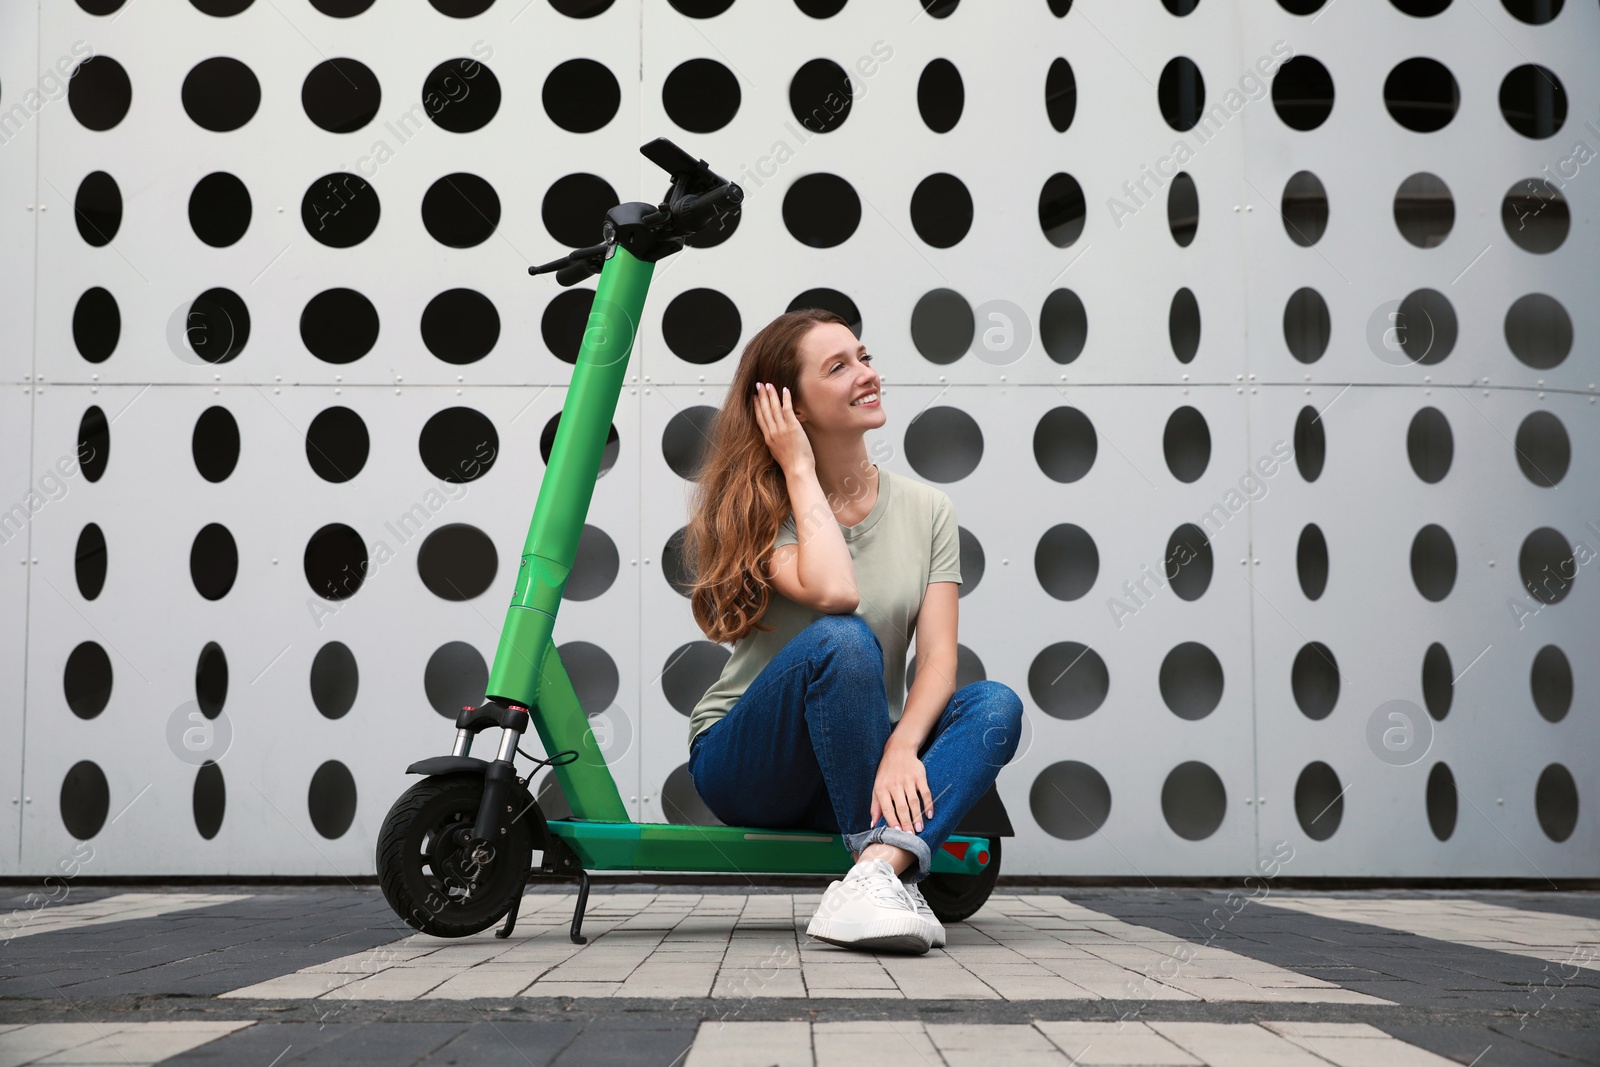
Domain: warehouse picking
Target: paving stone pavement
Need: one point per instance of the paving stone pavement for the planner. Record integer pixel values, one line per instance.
(695, 976)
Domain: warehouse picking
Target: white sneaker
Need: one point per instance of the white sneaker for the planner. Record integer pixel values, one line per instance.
(927, 914)
(870, 909)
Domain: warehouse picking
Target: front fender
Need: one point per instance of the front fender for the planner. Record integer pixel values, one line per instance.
(450, 765)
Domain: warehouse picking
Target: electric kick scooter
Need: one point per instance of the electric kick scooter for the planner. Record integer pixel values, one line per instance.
(456, 849)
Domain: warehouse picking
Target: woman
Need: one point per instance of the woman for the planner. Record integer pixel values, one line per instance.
(809, 726)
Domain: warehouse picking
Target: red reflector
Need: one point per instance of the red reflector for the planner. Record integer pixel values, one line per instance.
(983, 858)
(958, 849)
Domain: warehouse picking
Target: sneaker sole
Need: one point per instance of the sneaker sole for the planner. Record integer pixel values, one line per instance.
(895, 935)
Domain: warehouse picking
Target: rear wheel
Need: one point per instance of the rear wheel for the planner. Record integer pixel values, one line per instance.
(954, 897)
(432, 876)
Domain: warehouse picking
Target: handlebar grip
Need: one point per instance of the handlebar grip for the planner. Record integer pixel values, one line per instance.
(574, 272)
(695, 211)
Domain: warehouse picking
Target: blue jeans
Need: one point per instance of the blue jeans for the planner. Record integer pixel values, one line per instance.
(800, 748)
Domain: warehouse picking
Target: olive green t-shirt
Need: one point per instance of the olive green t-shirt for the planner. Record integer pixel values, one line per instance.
(907, 540)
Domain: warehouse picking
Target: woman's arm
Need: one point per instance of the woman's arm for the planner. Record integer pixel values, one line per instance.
(901, 789)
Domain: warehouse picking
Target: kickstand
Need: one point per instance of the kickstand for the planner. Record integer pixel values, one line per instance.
(577, 914)
(511, 915)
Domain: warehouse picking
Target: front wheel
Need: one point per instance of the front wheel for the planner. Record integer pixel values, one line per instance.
(432, 876)
(954, 897)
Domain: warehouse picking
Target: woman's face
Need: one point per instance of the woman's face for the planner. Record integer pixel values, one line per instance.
(836, 369)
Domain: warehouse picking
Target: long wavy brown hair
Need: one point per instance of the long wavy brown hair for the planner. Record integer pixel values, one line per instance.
(740, 496)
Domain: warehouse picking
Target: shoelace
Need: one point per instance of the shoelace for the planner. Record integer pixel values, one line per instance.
(886, 890)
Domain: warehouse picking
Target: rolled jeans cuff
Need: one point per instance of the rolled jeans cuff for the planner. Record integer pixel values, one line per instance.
(888, 835)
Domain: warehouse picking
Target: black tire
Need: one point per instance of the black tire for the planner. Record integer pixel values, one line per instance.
(429, 879)
(954, 897)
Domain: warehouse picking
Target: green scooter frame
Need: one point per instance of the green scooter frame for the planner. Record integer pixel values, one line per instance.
(455, 851)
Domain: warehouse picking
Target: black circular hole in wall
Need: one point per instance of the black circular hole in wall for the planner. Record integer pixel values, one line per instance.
(458, 444)
(94, 443)
(701, 9)
(335, 680)
(340, 210)
(215, 444)
(969, 668)
(461, 9)
(221, 94)
(337, 444)
(461, 210)
(581, 95)
(1186, 443)
(1424, 210)
(1066, 561)
(460, 326)
(940, 95)
(89, 561)
(825, 299)
(1065, 444)
(1181, 93)
(1068, 680)
(721, 226)
(213, 561)
(574, 209)
(96, 325)
(1193, 800)
(221, 8)
(219, 209)
(941, 210)
(1301, 7)
(341, 9)
(1426, 326)
(86, 681)
(942, 326)
(1533, 101)
(457, 562)
(595, 565)
(690, 671)
(341, 95)
(1183, 325)
(1310, 443)
(1189, 562)
(1060, 94)
(1543, 449)
(1062, 209)
(1440, 799)
(217, 326)
(211, 680)
(462, 95)
(100, 7)
(1183, 209)
(1547, 565)
(209, 801)
(940, 9)
(335, 561)
(85, 799)
(1550, 682)
(944, 444)
(1191, 680)
(1534, 12)
(679, 800)
(1181, 7)
(1555, 801)
(1302, 93)
(1433, 562)
(675, 566)
(1307, 325)
(701, 325)
(1538, 330)
(1535, 215)
(1430, 446)
(820, 95)
(1304, 208)
(700, 95)
(331, 799)
(820, 9)
(1063, 326)
(1311, 561)
(608, 454)
(821, 210)
(1421, 8)
(564, 321)
(1438, 681)
(971, 553)
(595, 679)
(98, 208)
(1421, 94)
(99, 93)
(1070, 800)
(339, 326)
(686, 438)
(1318, 801)
(1314, 679)
(454, 678)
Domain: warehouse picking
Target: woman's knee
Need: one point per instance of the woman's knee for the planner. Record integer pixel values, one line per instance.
(997, 702)
(847, 637)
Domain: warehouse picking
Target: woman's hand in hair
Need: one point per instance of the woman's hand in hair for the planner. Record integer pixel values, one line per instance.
(784, 435)
(900, 792)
